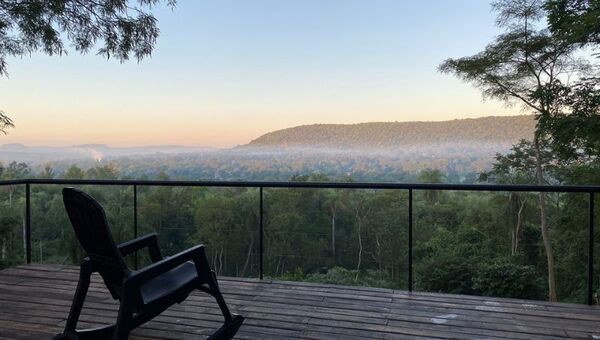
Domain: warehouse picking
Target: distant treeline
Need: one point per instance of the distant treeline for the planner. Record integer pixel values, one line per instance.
(460, 165)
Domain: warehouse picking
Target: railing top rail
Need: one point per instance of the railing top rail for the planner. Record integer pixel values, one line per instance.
(12, 182)
(316, 185)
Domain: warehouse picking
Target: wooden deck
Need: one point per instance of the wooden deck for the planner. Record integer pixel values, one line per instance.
(34, 301)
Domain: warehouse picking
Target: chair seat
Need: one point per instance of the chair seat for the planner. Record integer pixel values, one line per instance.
(174, 280)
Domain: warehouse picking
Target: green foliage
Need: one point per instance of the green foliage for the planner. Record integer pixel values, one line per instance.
(519, 165)
(529, 65)
(447, 275)
(343, 276)
(460, 263)
(519, 62)
(462, 239)
(15, 170)
(431, 176)
(226, 222)
(575, 21)
(74, 172)
(505, 277)
(447, 261)
(576, 131)
(106, 171)
(10, 245)
(124, 27)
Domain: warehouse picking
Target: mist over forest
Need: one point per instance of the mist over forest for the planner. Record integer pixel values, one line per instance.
(391, 151)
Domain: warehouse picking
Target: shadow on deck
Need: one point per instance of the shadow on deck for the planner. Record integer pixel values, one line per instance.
(35, 299)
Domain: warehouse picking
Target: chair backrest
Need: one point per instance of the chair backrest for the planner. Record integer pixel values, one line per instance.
(93, 232)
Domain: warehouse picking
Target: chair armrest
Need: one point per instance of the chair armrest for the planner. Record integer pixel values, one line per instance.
(195, 254)
(149, 241)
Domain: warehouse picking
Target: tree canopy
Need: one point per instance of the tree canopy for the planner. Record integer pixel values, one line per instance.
(575, 21)
(520, 63)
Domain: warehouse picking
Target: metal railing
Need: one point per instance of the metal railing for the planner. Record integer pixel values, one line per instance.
(261, 185)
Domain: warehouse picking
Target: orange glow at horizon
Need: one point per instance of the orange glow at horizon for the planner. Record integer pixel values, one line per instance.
(213, 129)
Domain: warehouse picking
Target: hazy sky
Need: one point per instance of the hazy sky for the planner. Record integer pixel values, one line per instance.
(225, 72)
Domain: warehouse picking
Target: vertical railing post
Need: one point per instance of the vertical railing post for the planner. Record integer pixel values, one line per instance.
(135, 225)
(410, 240)
(261, 234)
(28, 222)
(591, 251)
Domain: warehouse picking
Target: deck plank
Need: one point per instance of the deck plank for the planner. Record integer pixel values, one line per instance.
(35, 300)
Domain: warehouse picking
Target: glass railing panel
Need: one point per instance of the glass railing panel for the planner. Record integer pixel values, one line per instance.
(465, 242)
(337, 236)
(52, 237)
(12, 225)
(569, 234)
(225, 220)
(491, 244)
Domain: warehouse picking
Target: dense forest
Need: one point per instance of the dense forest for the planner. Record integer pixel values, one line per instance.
(465, 242)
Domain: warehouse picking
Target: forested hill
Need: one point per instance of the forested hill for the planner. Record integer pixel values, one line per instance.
(501, 131)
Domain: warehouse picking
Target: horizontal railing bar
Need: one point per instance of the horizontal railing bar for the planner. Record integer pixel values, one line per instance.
(318, 185)
(13, 182)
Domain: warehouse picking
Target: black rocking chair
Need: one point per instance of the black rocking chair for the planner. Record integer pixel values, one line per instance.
(143, 294)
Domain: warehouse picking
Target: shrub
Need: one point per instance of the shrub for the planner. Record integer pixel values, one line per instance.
(505, 277)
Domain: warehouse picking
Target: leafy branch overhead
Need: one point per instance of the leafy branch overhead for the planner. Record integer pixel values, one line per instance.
(124, 28)
(5, 122)
(575, 21)
(516, 65)
(117, 28)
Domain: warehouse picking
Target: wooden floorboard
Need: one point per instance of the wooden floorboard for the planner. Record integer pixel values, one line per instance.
(35, 300)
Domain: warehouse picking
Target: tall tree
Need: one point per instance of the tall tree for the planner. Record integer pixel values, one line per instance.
(518, 167)
(528, 65)
(125, 28)
(431, 176)
(334, 201)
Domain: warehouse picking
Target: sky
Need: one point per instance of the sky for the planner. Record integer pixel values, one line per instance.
(225, 72)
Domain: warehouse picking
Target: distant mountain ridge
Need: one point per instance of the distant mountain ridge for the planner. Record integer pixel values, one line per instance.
(486, 131)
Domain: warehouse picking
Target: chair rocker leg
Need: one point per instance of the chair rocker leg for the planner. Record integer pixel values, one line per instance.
(83, 284)
(71, 332)
(124, 322)
(216, 293)
(232, 321)
(228, 330)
